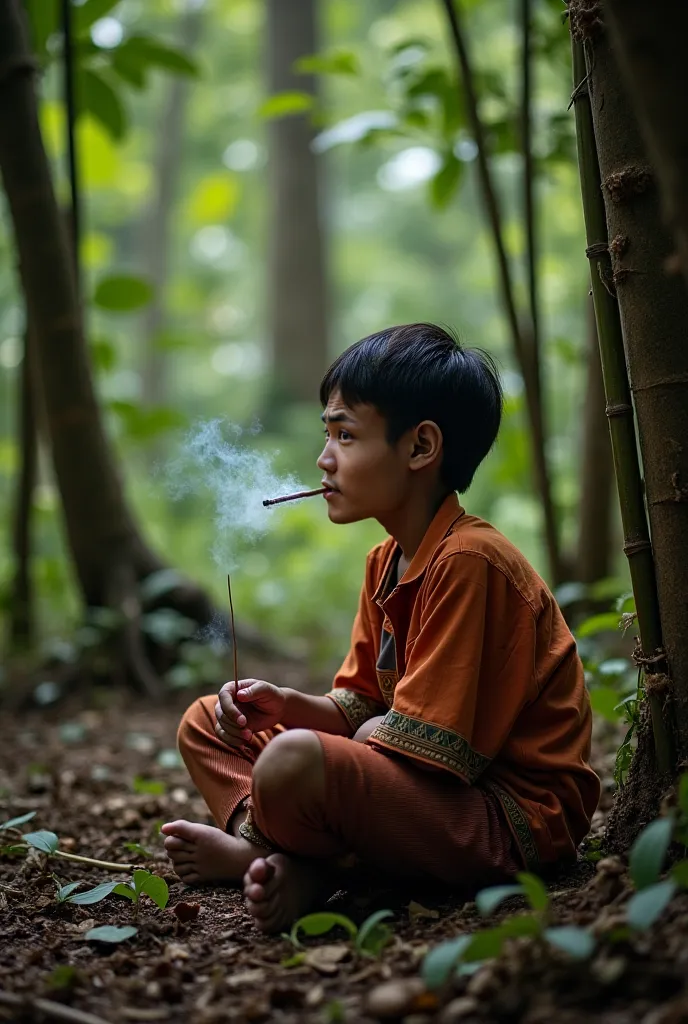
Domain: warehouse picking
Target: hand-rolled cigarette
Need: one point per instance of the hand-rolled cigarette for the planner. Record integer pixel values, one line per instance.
(293, 497)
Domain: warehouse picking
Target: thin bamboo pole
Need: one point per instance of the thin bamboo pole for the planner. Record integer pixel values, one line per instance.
(637, 546)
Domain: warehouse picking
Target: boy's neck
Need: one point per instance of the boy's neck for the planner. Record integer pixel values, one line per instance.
(410, 524)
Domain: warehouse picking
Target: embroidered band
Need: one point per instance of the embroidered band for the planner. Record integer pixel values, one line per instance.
(249, 830)
(519, 825)
(432, 743)
(387, 680)
(357, 709)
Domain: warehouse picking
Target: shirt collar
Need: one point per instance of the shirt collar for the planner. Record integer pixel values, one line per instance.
(447, 514)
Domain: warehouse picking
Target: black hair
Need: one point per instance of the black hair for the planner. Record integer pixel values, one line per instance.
(419, 372)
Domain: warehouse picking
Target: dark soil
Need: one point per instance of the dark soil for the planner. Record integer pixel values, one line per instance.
(78, 771)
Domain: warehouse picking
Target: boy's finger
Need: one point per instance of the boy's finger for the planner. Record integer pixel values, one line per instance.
(233, 729)
(230, 710)
(226, 737)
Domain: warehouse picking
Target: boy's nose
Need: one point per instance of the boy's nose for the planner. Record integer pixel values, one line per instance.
(326, 460)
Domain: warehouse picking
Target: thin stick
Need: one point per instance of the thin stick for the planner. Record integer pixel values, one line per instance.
(234, 643)
(109, 865)
(51, 1009)
(294, 497)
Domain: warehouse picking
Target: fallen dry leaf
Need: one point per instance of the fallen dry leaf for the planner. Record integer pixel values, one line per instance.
(417, 910)
(326, 959)
(394, 998)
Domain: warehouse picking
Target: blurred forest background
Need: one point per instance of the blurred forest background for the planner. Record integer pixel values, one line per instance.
(260, 185)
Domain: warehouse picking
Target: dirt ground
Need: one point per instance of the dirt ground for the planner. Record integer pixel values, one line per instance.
(90, 775)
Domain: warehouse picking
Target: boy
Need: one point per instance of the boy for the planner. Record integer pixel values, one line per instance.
(454, 744)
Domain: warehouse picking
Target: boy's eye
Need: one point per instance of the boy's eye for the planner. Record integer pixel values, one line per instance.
(343, 435)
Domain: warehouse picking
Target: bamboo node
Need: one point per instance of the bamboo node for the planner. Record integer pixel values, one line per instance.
(16, 66)
(596, 249)
(618, 409)
(643, 660)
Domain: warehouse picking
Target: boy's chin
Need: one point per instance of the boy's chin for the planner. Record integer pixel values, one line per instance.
(342, 516)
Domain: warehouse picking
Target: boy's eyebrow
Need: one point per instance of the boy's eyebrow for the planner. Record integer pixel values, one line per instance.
(337, 417)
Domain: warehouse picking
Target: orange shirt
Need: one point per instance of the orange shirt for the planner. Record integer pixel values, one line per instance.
(488, 684)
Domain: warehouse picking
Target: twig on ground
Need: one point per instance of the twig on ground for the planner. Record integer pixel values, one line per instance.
(51, 1009)
(107, 864)
(6, 888)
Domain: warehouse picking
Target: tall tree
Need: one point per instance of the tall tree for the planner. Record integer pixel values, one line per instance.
(297, 276)
(650, 49)
(109, 553)
(654, 314)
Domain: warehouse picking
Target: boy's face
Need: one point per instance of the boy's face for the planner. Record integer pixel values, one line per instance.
(369, 476)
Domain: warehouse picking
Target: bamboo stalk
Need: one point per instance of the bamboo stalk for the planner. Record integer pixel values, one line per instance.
(637, 545)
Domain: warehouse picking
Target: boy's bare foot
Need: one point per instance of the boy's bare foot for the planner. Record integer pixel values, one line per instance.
(203, 853)
(280, 889)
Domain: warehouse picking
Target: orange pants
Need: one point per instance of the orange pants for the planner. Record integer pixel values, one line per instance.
(381, 807)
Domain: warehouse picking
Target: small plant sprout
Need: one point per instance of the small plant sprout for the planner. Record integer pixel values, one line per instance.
(144, 884)
(646, 862)
(48, 843)
(66, 893)
(369, 940)
(465, 954)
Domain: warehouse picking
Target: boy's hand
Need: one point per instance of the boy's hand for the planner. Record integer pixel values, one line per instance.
(247, 707)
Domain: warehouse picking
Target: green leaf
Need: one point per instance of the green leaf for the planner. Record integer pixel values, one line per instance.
(152, 787)
(103, 354)
(97, 97)
(130, 66)
(534, 891)
(63, 891)
(44, 841)
(125, 889)
(604, 701)
(43, 22)
(62, 977)
(337, 62)
(21, 820)
(682, 793)
(293, 961)
(488, 900)
(606, 622)
(443, 185)
(440, 962)
(156, 888)
(155, 54)
(679, 873)
(520, 925)
(122, 293)
(139, 850)
(646, 858)
(373, 936)
(84, 899)
(319, 924)
(645, 907)
(359, 128)
(577, 942)
(110, 933)
(285, 104)
(89, 12)
(487, 943)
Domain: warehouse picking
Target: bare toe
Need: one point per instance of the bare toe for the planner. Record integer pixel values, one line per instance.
(175, 843)
(260, 871)
(186, 830)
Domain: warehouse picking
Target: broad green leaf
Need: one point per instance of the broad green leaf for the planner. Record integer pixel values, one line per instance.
(645, 907)
(534, 891)
(103, 354)
(95, 895)
(604, 702)
(488, 900)
(443, 185)
(110, 933)
(213, 199)
(440, 962)
(159, 55)
(337, 62)
(99, 161)
(646, 858)
(91, 11)
(606, 622)
(373, 936)
(577, 942)
(139, 878)
(43, 22)
(44, 841)
(21, 820)
(486, 944)
(131, 66)
(319, 924)
(97, 97)
(285, 104)
(679, 873)
(63, 891)
(520, 925)
(124, 889)
(159, 583)
(358, 128)
(156, 888)
(122, 293)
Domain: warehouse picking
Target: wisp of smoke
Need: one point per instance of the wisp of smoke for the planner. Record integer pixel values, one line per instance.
(237, 479)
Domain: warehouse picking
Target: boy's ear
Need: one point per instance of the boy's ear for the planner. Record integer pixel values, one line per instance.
(426, 444)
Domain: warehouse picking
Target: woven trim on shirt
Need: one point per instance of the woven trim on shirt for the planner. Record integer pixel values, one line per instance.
(249, 830)
(387, 680)
(519, 824)
(432, 743)
(357, 709)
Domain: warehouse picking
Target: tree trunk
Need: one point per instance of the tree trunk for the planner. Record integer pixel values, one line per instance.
(593, 560)
(654, 315)
(109, 553)
(298, 279)
(157, 232)
(650, 43)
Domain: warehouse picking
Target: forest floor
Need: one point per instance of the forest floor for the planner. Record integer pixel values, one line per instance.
(109, 776)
